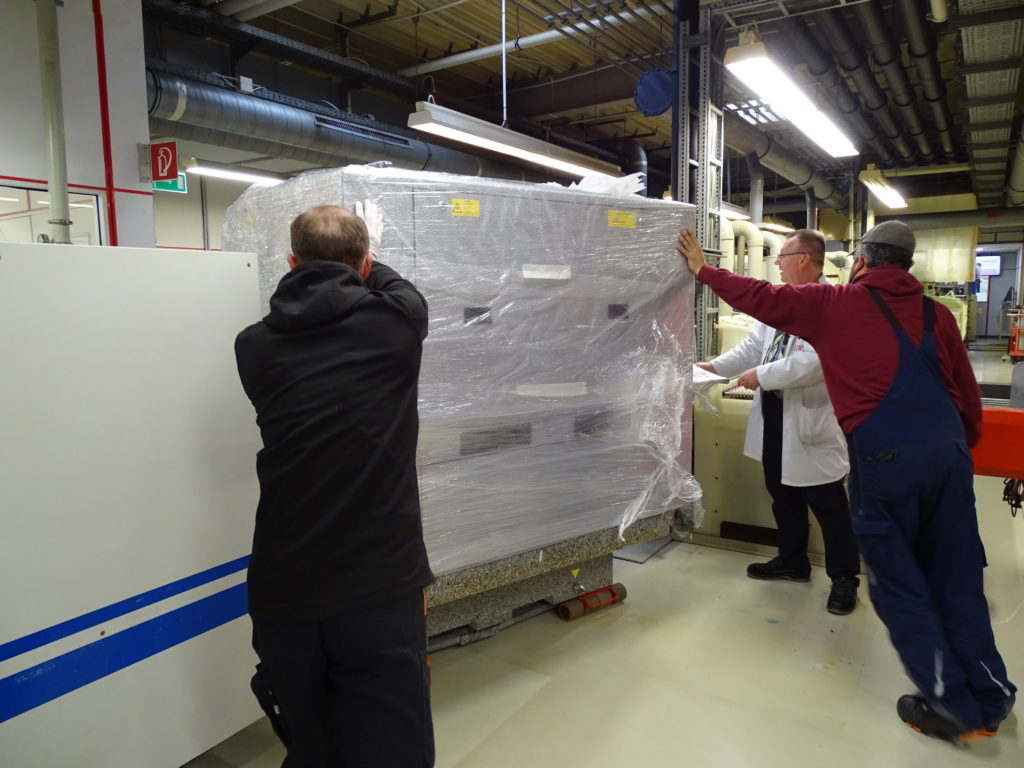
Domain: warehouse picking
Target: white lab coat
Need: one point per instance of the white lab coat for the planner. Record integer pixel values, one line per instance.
(813, 445)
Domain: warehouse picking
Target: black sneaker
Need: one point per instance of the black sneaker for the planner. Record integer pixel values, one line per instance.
(918, 714)
(994, 725)
(843, 597)
(774, 570)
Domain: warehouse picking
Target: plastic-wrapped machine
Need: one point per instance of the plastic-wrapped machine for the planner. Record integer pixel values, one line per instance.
(555, 388)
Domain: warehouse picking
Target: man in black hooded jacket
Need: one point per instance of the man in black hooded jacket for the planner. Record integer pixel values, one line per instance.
(338, 562)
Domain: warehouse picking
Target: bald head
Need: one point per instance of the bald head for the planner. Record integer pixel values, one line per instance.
(330, 233)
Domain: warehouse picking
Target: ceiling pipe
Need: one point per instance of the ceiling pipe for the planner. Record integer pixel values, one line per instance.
(852, 60)
(252, 10)
(823, 68)
(743, 138)
(774, 242)
(511, 46)
(753, 264)
(811, 211)
(940, 11)
(1015, 190)
(239, 121)
(756, 202)
(53, 110)
(887, 56)
(921, 46)
(989, 219)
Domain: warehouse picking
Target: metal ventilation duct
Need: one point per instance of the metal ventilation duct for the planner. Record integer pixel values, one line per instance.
(228, 119)
(745, 139)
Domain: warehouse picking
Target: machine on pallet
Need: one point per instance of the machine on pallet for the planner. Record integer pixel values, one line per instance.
(555, 387)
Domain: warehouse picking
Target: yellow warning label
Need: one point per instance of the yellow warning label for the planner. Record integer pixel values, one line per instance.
(575, 572)
(623, 219)
(465, 207)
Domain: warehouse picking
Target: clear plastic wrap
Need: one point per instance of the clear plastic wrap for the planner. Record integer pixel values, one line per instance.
(556, 382)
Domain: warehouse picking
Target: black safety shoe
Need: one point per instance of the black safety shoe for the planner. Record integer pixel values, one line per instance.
(842, 599)
(918, 714)
(994, 725)
(774, 570)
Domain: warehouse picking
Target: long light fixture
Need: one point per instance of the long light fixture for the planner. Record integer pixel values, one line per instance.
(457, 126)
(220, 171)
(880, 187)
(750, 63)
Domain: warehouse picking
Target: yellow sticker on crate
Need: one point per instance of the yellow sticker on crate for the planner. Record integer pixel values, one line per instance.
(465, 207)
(622, 219)
(575, 572)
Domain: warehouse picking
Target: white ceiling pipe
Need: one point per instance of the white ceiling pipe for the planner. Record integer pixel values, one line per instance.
(940, 11)
(774, 243)
(1015, 193)
(754, 266)
(522, 43)
(727, 245)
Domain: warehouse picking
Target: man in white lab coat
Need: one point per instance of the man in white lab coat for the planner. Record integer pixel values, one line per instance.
(792, 430)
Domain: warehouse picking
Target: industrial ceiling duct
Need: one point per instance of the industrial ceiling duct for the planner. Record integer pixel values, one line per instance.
(239, 121)
(823, 68)
(887, 56)
(744, 138)
(852, 60)
(921, 46)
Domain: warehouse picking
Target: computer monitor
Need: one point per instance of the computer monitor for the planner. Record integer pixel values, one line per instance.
(989, 266)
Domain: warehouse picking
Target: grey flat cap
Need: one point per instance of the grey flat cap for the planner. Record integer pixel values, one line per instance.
(891, 233)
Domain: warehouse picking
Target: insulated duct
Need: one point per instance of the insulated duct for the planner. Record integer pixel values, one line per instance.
(823, 68)
(753, 263)
(1015, 192)
(852, 60)
(887, 56)
(744, 138)
(988, 219)
(756, 204)
(921, 46)
(217, 116)
(772, 273)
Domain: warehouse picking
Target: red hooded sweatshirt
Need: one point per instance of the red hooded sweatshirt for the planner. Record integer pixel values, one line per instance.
(854, 341)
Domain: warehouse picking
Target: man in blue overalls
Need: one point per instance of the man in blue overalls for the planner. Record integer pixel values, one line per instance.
(906, 398)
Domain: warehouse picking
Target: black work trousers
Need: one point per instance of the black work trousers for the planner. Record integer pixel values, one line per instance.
(354, 690)
(828, 502)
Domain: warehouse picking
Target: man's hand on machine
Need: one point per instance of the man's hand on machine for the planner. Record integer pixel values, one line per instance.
(749, 379)
(688, 247)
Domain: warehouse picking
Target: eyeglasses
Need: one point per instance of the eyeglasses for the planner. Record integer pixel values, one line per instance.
(791, 253)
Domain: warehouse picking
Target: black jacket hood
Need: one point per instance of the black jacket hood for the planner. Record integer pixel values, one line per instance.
(313, 293)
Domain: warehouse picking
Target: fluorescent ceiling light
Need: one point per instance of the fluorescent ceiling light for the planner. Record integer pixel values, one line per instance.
(880, 187)
(219, 171)
(750, 63)
(9, 200)
(771, 226)
(450, 124)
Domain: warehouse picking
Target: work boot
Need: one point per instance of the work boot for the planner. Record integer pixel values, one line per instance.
(918, 714)
(775, 570)
(842, 599)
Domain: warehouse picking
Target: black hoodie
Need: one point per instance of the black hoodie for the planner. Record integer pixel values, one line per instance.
(332, 372)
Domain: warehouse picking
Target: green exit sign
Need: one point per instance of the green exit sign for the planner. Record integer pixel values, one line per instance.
(179, 185)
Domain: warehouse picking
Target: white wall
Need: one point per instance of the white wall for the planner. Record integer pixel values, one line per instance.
(23, 152)
(178, 218)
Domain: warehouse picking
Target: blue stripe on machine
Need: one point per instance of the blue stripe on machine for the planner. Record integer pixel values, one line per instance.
(51, 634)
(38, 685)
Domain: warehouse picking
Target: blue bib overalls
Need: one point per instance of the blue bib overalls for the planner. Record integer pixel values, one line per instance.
(912, 502)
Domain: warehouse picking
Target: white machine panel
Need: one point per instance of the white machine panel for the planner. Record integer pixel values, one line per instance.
(127, 496)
